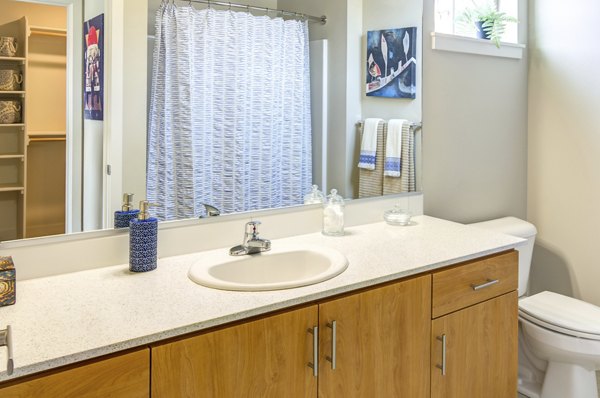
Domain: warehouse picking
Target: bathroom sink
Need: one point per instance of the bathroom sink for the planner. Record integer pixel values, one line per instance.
(282, 267)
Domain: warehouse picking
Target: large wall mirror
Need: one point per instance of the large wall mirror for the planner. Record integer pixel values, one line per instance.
(71, 146)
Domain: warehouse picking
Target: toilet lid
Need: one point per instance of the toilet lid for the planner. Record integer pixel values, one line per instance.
(568, 315)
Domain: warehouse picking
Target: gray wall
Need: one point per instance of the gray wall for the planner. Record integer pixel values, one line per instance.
(475, 131)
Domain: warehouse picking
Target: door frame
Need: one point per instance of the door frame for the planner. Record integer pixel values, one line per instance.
(74, 115)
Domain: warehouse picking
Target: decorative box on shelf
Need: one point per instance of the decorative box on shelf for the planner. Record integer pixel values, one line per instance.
(7, 282)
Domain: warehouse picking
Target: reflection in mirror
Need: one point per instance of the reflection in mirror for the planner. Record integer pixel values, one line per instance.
(211, 127)
(33, 140)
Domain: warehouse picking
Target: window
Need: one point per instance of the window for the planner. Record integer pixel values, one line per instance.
(448, 12)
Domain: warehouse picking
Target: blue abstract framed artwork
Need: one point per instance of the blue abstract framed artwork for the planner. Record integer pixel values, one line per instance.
(392, 63)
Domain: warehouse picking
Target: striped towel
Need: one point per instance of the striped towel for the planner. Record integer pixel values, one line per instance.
(370, 182)
(407, 181)
(393, 148)
(368, 146)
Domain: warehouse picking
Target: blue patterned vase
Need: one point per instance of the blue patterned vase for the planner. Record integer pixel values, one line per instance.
(143, 242)
(123, 218)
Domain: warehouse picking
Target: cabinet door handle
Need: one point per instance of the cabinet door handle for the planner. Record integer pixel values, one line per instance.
(332, 358)
(443, 365)
(315, 363)
(489, 283)
(6, 340)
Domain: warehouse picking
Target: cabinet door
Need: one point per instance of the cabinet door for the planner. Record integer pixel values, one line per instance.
(382, 342)
(480, 351)
(267, 357)
(121, 376)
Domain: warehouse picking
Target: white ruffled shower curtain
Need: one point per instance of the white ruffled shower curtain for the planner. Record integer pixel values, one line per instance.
(229, 121)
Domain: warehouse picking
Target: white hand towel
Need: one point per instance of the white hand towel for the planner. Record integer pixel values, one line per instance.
(393, 148)
(368, 145)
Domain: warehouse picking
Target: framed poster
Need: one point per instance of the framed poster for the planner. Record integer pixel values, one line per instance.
(391, 63)
(93, 72)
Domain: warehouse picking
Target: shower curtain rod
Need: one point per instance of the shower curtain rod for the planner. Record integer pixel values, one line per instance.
(310, 18)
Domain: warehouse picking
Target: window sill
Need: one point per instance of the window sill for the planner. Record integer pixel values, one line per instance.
(461, 44)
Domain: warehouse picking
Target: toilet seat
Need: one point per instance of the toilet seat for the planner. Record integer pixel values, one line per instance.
(562, 314)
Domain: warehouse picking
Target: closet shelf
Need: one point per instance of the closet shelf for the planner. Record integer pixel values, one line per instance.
(11, 188)
(42, 133)
(13, 59)
(47, 139)
(12, 125)
(45, 31)
(47, 61)
(21, 93)
(12, 156)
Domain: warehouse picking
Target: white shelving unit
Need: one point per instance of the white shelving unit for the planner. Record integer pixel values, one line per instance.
(32, 153)
(13, 146)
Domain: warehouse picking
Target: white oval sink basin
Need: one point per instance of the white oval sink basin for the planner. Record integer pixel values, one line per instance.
(282, 267)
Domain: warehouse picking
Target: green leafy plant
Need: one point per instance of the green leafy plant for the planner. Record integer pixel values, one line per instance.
(488, 18)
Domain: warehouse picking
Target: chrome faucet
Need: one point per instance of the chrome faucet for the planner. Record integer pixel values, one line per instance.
(251, 244)
(211, 211)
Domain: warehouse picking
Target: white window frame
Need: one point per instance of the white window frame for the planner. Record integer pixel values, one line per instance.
(445, 41)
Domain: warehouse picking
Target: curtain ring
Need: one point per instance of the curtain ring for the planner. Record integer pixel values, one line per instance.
(230, 6)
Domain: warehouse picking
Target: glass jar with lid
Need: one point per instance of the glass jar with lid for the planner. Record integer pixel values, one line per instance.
(333, 215)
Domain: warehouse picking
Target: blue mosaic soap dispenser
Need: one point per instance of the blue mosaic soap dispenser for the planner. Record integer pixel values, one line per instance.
(143, 240)
(127, 213)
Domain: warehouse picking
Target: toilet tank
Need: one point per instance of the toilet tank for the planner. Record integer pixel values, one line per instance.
(519, 228)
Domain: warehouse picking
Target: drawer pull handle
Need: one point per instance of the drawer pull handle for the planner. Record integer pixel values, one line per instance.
(489, 283)
(6, 340)
(315, 363)
(332, 358)
(442, 367)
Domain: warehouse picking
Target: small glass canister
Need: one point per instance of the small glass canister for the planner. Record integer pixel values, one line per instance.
(314, 197)
(333, 215)
(397, 216)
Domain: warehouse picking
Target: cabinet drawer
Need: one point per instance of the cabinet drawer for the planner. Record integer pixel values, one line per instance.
(119, 376)
(473, 282)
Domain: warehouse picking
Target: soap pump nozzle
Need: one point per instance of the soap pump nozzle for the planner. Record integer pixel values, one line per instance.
(127, 200)
(144, 207)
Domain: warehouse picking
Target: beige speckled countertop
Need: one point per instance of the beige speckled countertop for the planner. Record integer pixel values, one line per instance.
(68, 318)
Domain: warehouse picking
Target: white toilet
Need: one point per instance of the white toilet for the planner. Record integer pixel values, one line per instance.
(559, 336)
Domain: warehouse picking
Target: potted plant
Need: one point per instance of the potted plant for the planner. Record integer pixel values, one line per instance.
(488, 22)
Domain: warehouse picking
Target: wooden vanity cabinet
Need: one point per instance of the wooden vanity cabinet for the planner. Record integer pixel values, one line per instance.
(447, 334)
(118, 376)
(267, 357)
(382, 342)
(474, 338)
(382, 350)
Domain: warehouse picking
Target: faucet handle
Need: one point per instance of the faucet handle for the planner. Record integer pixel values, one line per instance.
(251, 226)
(251, 231)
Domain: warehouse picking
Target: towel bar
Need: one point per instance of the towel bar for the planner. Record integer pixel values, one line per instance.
(414, 126)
